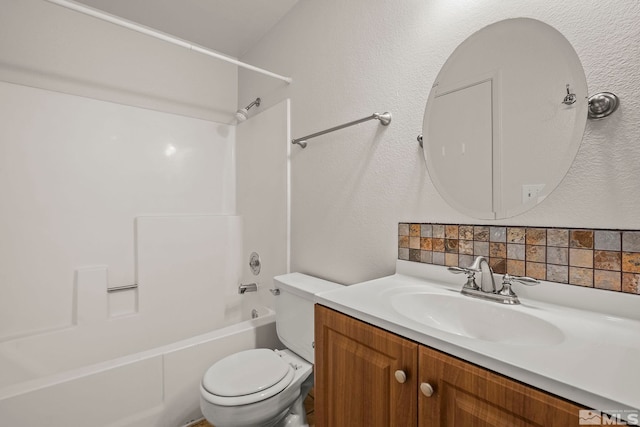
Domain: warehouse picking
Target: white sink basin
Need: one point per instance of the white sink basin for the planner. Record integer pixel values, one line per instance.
(474, 318)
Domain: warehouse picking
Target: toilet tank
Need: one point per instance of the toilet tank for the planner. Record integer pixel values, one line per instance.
(294, 310)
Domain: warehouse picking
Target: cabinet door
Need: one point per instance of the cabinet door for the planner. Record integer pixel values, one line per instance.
(466, 395)
(355, 367)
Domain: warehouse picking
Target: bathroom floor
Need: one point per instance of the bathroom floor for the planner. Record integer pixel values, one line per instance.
(308, 404)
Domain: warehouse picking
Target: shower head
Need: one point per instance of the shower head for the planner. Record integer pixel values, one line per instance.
(243, 113)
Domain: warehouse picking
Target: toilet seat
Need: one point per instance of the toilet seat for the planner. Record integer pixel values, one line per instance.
(247, 377)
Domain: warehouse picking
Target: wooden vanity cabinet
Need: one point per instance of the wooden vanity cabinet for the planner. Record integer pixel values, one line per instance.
(356, 366)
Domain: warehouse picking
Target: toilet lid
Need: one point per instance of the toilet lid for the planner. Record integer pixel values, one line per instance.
(246, 372)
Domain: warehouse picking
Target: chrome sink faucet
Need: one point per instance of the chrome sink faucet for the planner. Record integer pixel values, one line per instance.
(487, 289)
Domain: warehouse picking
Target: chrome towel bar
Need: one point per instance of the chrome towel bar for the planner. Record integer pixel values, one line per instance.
(385, 119)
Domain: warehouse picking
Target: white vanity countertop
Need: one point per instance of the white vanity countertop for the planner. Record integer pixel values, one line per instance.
(596, 363)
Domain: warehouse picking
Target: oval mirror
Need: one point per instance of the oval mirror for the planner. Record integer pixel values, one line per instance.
(505, 118)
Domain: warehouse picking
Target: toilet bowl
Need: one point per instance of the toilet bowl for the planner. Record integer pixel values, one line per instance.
(264, 387)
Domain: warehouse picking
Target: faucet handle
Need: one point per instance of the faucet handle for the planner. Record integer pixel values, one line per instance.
(506, 284)
(529, 281)
(471, 276)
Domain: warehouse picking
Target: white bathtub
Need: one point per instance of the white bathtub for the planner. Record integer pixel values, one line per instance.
(155, 387)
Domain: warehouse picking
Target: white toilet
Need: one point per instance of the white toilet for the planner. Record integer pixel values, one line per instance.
(263, 387)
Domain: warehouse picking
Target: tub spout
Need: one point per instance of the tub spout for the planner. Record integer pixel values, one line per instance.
(249, 287)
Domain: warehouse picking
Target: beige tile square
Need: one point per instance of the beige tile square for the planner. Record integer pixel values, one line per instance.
(403, 241)
(438, 231)
(558, 237)
(480, 248)
(451, 260)
(414, 230)
(536, 236)
(403, 253)
(426, 257)
(466, 232)
(403, 229)
(451, 245)
(450, 231)
(497, 250)
(536, 253)
(558, 256)
(631, 283)
(465, 247)
(414, 242)
(536, 270)
(581, 258)
(631, 262)
(516, 251)
(516, 267)
(609, 280)
(607, 260)
(516, 234)
(558, 273)
(438, 245)
(581, 239)
(426, 243)
(581, 276)
(481, 233)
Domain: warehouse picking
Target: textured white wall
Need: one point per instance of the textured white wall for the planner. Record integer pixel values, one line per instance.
(47, 46)
(351, 58)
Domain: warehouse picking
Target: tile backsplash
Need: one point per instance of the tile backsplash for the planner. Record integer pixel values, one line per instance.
(604, 259)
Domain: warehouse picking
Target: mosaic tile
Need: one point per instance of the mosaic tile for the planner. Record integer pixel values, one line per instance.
(581, 239)
(536, 270)
(481, 248)
(581, 258)
(607, 260)
(536, 253)
(607, 240)
(515, 252)
(466, 232)
(631, 241)
(451, 245)
(536, 236)
(604, 259)
(465, 247)
(631, 283)
(414, 242)
(450, 231)
(426, 243)
(438, 245)
(451, 260)
(516, 234)
(438, 258)
(497, 250)
(581, 276)
(499, 265)
(558, 256)
(465, 260)
(630, 262)
(515, 267)
(498, 234)
(426, 230)
(558, 237)
(609, 280)
(558, 273)
(481, 233)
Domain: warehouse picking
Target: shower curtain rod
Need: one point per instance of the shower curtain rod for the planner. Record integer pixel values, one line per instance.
(161, 36)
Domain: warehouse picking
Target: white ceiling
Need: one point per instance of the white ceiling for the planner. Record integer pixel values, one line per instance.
(231, 27)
